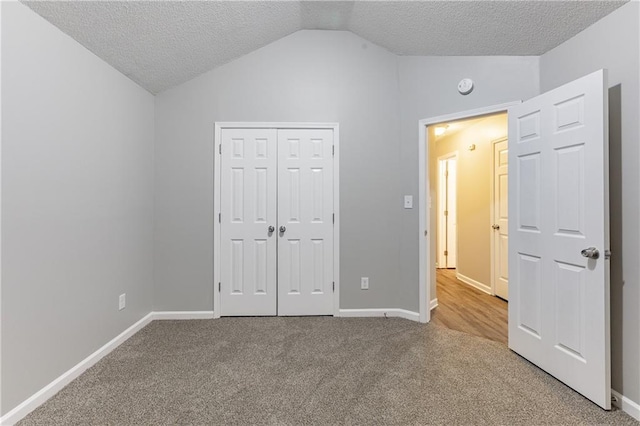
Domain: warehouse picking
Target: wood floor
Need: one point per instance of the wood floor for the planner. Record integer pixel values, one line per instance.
(464, 308)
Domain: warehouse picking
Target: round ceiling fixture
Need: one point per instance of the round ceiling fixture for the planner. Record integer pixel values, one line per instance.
(465, 86)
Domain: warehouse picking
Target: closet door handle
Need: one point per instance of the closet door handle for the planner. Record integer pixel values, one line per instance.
(283, 229)
(271, 229)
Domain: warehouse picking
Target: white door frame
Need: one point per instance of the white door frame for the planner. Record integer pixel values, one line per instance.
(219, 126)
(492, 211)
(440, 196)
(426, 258)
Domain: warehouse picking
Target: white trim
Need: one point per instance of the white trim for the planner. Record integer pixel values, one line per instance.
(56, 386)
(217, 178)
(183, 315)
(380, 312)
(424, 252)
(439, 201)
(473, 283)
(336, 223)
(0, 208)
(492, 212)
(433, 304)
(217, 194)
(626, 405)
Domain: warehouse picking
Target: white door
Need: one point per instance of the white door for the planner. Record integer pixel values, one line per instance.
(248, 209)
(447, 214)
(452, 213)
(441, 195)
(500, 220)
(305, 222)
(559, 231)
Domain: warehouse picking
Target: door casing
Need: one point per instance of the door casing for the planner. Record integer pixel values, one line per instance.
(494, 248)
(218, 127)
(442, 195)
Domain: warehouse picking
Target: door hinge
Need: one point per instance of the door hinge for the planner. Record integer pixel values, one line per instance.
(446, 212)
(333, 150)
(219, 287)
(219, 217)
(446, 253)
(334, 286)
(220, 149)
(446, 173)
(333, 218)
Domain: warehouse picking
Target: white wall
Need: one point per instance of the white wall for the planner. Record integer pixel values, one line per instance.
(612, 43)
(327, 76)
(77, 163)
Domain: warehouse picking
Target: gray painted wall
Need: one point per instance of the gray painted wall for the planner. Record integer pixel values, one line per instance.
(428, 88)
(612, 43)
(77, 163)
(329, 76)
(376, 97)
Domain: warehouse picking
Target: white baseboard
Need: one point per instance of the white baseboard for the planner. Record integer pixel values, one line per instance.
(40, 397)
(433, 304)
(182, 315)
(626, 405)
(381, 312)
(473, 283)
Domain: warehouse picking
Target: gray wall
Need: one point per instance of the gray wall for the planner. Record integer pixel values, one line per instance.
(77, 163)
(612, 43)
(376, 97)
(308, 76)
(428, 88)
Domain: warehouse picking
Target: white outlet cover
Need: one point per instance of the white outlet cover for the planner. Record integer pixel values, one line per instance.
(122, 301)
(408, 201)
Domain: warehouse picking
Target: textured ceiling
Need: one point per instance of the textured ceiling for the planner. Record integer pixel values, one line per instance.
(160, 44)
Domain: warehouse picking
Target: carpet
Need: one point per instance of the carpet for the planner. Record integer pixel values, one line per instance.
(315, 371)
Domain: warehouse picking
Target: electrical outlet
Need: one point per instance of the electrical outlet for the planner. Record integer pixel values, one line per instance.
(122, 301)
(364, 283)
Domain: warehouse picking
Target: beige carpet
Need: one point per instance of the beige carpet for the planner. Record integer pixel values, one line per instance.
(314, 370)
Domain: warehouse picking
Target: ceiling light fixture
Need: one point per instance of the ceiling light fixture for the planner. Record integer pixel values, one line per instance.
(439, 131)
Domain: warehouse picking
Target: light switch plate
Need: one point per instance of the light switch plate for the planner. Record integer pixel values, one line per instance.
(408, 201)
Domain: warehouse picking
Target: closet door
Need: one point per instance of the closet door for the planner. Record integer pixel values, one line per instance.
(248, 210)
(305, 222)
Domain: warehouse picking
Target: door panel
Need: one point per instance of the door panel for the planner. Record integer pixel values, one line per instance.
(500, 219)
(452, 213)
(305, 210)
(248, 208)
(559, 309)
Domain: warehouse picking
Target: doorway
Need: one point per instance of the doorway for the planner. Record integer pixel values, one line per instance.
(468, 162)
(276, 228)
(427, 198)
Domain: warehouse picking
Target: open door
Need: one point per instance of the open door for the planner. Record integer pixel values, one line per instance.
(559, 235)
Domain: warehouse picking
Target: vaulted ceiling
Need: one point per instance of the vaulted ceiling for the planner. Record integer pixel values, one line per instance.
(160, 44)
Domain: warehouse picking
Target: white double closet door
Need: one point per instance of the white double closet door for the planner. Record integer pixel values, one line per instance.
(276, 222)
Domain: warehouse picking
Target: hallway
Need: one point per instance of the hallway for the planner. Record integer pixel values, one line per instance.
(464, 308)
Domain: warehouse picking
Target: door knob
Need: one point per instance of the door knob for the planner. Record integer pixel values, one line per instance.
(283, 229)
(590, 253)
(495, 227)
(271, 229)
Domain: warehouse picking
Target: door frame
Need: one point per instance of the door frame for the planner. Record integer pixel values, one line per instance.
(439, 200)
(426, 259)
(492, 209)
(217, 181)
